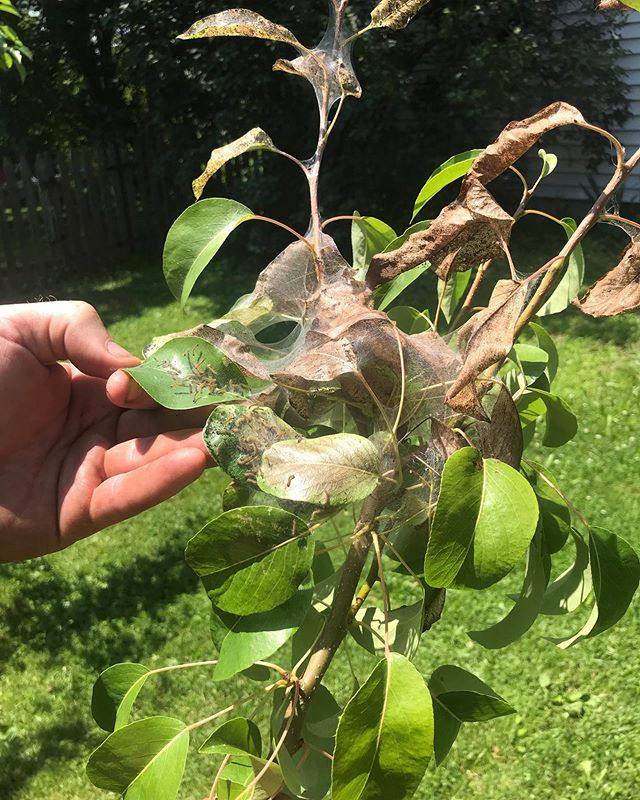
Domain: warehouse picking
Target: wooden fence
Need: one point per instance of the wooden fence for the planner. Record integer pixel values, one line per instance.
(82, 211)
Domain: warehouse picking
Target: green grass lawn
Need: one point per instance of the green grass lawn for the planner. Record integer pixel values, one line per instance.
(127, 595)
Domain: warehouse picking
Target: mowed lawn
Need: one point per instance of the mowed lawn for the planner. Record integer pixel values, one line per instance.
(127, 595)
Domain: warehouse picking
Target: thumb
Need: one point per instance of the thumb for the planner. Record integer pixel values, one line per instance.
(70, 330)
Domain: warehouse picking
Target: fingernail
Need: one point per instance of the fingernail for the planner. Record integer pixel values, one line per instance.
(117, 351)
(134, 392)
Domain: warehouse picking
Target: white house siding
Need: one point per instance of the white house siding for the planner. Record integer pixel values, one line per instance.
(571, 179)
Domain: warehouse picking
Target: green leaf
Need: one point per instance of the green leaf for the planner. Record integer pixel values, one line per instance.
(633, 4)
(390, 291)
(615, 570)
(238, 736)
(307, 775)
(195, 238)
(405, 629)
(369, 236)
(410, 320)
(549, 163)
(321, 722)
(385, 736)
(562, 423)
(572, 280)
(241, 641)
(546, 343)
(527, 606)
(533, 361)
(143, 760)
(458, 697)
(251, 559)
(452, 291)
(115, 692)
(188, 372)
(331, 470)
(485, 518)
(237, 436)
(573, 586)
(7, 8)
(555, 516)
(456, 167)
(243, 770)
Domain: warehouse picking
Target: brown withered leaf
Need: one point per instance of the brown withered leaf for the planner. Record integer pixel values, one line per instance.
(519, 137)
(501, 437)
(484, 341)
(255, 139)
(361, 362)
(467, 232)
(445, 440)
(618, 292)
(395, 14)
(241, 22)
(609, 5)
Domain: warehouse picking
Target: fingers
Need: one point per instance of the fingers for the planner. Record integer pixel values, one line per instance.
(123, 391)
(129, 456)
(143, 423)
(67, 330)
(123, 496)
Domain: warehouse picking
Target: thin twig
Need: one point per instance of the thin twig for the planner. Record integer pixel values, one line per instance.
(554, 266)
(268, 764)
(385, 595)
(213, 795)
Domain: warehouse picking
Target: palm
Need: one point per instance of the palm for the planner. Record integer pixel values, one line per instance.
(71, 462)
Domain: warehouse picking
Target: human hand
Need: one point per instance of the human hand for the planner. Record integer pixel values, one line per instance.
(73, 461)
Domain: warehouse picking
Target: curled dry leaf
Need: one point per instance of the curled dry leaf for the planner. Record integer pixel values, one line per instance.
(240, 22)
(501, 437)
(618, 292)
(519, 137)
(395, 14)
(467, 232)
(255, 139)
(484, 341)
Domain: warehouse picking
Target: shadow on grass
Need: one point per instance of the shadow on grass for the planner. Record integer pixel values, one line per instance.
(92, 616)
(21, 760)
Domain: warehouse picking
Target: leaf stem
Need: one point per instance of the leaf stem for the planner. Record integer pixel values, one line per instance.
(202, 722)
(385, 594)
(283, 737)
(338, 219)
(213, 795)
(285, 227)
(467, 305)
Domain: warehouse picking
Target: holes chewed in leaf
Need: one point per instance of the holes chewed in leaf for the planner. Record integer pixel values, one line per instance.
(618, 292)
(472, 229)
